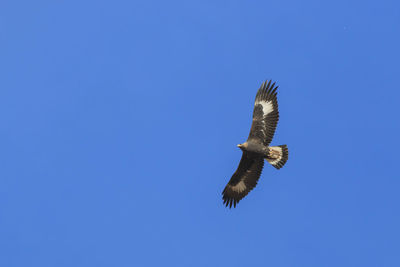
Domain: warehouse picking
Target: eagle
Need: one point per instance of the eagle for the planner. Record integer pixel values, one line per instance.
(256, 148)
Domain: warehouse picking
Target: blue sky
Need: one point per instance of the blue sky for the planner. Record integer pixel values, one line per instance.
(120, 119)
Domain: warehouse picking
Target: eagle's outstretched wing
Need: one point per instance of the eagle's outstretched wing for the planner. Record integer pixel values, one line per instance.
(243, 180)
(265, 114)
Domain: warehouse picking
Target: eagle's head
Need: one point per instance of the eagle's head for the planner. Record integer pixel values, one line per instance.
(243, 146)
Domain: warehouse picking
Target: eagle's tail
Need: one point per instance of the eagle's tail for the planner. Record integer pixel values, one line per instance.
(278, 155)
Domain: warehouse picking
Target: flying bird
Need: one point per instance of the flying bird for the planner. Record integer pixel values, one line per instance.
(256, 148)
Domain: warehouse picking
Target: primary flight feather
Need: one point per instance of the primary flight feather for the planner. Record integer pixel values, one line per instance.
(256, 148)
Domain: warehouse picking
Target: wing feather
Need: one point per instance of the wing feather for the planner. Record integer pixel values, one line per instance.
(265, 114)
(243, 180)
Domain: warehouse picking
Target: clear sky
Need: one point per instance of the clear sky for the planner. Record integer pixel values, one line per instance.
(120, 119)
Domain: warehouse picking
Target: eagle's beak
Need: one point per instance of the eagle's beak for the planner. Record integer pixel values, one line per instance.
(239, 145)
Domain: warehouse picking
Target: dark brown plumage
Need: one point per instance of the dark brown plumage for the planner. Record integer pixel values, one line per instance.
(256, 149)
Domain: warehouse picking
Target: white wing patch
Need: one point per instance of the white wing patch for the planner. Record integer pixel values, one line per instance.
(266, 106)
(239, 187)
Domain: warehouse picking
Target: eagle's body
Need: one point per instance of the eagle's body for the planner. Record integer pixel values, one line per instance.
(256, 148)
